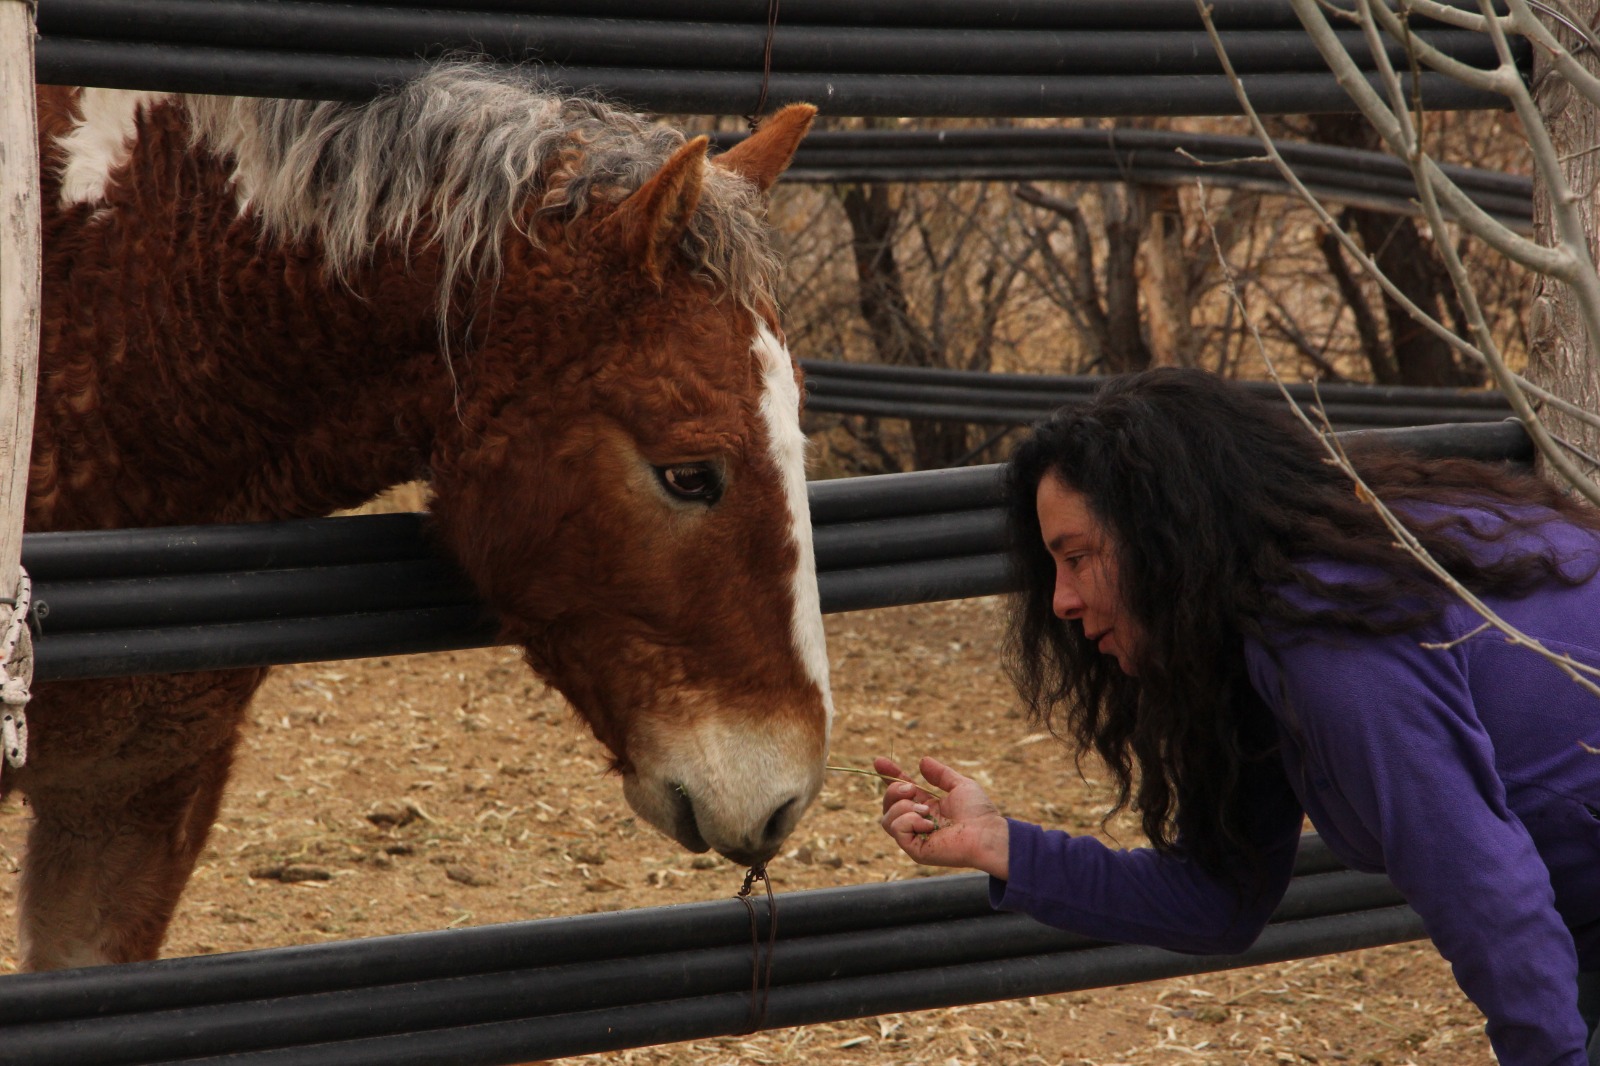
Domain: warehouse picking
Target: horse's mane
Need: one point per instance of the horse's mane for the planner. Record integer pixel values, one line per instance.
(462, 150)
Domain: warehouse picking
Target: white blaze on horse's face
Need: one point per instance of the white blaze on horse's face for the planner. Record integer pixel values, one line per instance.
(739, 783)
(780, 409)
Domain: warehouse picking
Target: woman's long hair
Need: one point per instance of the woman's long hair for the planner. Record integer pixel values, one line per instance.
(1213, 498)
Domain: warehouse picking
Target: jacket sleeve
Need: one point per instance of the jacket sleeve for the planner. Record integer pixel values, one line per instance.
(1394, 747)
(1141, 896)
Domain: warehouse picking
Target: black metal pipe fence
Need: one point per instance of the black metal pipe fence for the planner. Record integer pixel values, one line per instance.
(1153, 157)
(956, 14)
(909, 63)
(656, 43)
(1019, 399)
(122, 602)
(565, 986)
(314, 968)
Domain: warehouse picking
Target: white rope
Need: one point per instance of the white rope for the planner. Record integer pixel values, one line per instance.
(16, 674)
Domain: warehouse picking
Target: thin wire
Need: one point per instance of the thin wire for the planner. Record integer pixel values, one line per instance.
(760, 975)
(766, 65)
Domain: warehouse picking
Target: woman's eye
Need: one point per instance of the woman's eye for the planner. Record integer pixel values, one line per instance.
(691, 481)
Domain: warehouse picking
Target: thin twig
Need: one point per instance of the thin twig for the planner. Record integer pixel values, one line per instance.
(932, 790)
(1446, 645)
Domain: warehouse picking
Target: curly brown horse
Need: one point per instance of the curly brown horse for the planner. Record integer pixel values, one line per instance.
(558, 313)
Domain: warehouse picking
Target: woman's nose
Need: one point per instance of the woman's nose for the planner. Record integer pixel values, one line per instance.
(1068, 604)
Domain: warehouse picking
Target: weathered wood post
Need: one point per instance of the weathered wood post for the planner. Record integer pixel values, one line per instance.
(19, 352)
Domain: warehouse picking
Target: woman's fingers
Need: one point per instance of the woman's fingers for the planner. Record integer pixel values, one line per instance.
(940, 775)
(912, 832)
(900, 810)
(888, 767)
(897, 790)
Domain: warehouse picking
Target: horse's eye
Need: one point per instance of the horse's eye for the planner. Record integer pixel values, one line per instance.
(692, 481)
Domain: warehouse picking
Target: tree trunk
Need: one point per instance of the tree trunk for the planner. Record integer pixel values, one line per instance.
(1559, 357)
(897, 339)
(1126, 211)
(1111, 331)
(1172, 339)
(1407, 258)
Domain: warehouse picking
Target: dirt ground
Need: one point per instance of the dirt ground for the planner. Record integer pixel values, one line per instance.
(508, 814)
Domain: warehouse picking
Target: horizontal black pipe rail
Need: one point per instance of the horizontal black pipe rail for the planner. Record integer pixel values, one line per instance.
(170, 984)
(515, 1037)
(1123, 145)
(1022, 408)
(300, 26)
(224, 603)
(1341, 392)
(1512, 216)
(542, 989)
(955, 14)
(312, 76)
(491, 1044)
(572, 985)
(844, 553)
(556, 993)
(294, 638)
(1019, 399)
(1347, 175)
(968, 392)
(997, 415)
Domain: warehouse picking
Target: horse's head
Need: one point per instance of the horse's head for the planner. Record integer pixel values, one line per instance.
(625, 483)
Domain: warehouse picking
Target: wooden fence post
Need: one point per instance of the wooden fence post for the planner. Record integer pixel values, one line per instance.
(19, 345)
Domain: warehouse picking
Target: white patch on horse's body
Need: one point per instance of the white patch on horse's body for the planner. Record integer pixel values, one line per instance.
(102, 140)
(780, 409)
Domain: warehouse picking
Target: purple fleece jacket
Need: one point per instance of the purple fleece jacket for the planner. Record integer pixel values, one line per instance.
(1459, 770)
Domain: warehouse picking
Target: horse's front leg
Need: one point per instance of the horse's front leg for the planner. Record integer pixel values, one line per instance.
(115, 835)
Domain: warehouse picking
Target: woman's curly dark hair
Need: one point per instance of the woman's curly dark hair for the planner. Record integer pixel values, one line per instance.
(1213, 498)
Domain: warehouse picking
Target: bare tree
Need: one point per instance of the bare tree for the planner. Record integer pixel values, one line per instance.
(1103, 303)
(904, 275)
(1407, 354)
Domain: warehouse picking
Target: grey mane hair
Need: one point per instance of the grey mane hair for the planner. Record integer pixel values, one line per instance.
(462, 149)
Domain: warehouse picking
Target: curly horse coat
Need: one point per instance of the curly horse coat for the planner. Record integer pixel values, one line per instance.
(559, 314)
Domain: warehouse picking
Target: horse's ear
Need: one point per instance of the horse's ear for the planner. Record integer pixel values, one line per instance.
(654, 217)
(765, 154)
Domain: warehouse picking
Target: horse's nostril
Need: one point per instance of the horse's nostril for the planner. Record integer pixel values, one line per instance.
(778, 825)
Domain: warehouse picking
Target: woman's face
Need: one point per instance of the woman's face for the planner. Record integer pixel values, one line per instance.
(1087, 591)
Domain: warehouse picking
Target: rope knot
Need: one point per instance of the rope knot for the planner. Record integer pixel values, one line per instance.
(16, 673)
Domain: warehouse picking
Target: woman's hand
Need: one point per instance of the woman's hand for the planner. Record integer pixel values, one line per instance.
(961, 829)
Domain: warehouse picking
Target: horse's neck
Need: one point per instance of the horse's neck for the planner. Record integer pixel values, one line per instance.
(192, 372)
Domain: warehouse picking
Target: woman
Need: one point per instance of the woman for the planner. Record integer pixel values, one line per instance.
(1211, 607)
